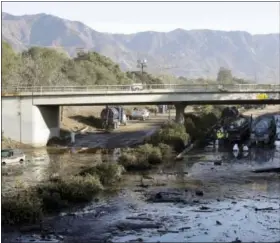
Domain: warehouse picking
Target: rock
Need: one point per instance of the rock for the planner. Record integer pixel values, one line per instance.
(158, 195)
(204, 208)
(199, 193)
(236, 241)
(218, 163)
(218, 222)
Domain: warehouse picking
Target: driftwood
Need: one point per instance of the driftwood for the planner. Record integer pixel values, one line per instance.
(187, 149)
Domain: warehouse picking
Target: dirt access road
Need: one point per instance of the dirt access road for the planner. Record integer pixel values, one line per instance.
(134, 132)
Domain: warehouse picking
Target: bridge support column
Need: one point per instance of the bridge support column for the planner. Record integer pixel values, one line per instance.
(180, 109)
(29, 124)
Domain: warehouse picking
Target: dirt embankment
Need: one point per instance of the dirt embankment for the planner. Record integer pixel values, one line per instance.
(9, 143)
(76, 118)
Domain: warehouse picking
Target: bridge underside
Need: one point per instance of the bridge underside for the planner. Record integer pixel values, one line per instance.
(156, 98)
(200, 102)
(34, 120)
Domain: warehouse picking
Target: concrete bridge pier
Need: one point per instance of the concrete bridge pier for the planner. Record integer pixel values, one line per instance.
(27, 123)
(180, 109)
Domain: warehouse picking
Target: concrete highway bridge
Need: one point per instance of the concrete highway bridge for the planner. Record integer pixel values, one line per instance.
(31, 114)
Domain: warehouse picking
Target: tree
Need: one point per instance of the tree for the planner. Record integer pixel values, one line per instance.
(42, 66)
(224, 76)
(10, 66)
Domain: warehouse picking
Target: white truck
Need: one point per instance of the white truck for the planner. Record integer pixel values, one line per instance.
(11, 156)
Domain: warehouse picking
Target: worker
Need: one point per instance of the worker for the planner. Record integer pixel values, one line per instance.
(72, 134)
(235, 147)
(220, 134)
(245, 148)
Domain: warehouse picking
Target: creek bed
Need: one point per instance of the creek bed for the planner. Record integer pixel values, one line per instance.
(198, 200)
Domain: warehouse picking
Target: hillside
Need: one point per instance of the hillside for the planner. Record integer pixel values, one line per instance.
(43, 66)
(194, 53)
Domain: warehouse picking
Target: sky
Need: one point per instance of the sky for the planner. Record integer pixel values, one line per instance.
(131, 17)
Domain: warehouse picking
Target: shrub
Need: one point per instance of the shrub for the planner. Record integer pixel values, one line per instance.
(22, 207)
(198, 125)
(171, 134)
(166, 151)
(141, 157)
(130, 162)
(28, 205)
(108, 173)
(73, 189)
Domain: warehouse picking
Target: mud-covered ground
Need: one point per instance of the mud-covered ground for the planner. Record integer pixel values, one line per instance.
(209, 196)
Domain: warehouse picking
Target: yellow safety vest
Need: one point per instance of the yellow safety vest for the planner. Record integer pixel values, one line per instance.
(220, 135)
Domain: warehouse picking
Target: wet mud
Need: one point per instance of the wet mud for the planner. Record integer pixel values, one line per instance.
(209, 196)
(198, 200)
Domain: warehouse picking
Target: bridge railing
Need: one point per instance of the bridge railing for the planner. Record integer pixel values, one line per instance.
(146, 87)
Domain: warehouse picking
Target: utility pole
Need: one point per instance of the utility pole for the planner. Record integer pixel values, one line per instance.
(141, 64)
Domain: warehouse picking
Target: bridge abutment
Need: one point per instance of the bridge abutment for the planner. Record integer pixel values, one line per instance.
(180, 110)
(29, 124)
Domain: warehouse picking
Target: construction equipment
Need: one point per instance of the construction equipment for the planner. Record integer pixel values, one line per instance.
(112, 117)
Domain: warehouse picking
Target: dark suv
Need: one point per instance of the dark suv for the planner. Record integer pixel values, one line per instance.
(238, 129)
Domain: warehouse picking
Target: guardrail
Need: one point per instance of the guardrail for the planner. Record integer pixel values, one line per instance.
(147, 87)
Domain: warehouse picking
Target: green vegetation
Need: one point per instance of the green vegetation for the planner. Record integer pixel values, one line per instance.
(28, 205)
(51, 67)
(144, 78)
(198, 124)
(157, 149)
(145, 157)
(172, 134)
(225, 77)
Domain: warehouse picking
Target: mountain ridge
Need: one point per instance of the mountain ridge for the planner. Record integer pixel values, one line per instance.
(190, 53)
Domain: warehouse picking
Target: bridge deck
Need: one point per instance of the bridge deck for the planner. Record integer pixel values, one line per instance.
(146, 89)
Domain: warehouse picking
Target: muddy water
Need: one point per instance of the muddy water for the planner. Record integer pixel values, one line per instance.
(209, 196)
(41, 164)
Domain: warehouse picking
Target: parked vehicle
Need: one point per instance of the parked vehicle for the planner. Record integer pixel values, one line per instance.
(112, 117)
(238, 129)
(10, 156)
(141, 114)
(263, 129)
(137, 87)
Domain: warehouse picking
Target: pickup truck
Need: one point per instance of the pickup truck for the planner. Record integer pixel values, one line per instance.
(11, 156)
